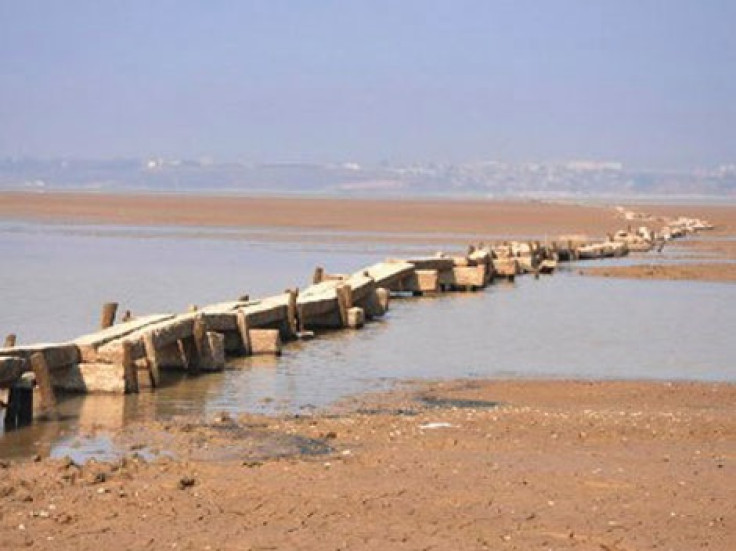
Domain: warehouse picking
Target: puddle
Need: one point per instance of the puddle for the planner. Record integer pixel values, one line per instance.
(254, 446)
(387, 411)
(81, 449)
(457, 403)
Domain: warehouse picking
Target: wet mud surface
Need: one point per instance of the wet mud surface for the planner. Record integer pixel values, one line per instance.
(560, 465)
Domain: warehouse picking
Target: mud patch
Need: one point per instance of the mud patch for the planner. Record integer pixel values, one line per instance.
(251, 441)
(400, 412)
(435, 402)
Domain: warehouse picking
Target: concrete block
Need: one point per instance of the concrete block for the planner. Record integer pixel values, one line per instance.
(91, 378)
(428, 281)
(265, 341)
(213, 353)
(376, 305)
(356, 317)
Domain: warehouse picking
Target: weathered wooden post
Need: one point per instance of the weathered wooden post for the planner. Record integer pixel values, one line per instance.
(10, 341)
(40, 368)
(109, 309)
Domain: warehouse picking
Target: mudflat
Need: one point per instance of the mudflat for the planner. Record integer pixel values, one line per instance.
(451, 465)
(479, 217)
(702, 272)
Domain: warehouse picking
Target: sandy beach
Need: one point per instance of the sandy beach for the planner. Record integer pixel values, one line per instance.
(515, 464)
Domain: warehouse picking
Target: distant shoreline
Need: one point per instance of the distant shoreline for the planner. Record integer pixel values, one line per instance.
(434, 216)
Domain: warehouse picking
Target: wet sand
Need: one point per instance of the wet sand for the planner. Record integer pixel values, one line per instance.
(454, 465)
(694, 272)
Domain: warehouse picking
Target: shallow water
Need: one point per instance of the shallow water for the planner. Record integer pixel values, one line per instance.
(555, 327)
(54, 279)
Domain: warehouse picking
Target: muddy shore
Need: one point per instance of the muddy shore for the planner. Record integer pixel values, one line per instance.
(453, 465)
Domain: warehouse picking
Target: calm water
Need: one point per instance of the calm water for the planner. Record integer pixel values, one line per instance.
(54, 279)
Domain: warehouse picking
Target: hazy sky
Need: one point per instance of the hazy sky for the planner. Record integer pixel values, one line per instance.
(651, 83)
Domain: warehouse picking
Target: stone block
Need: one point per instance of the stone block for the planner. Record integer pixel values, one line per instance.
(356, 317)
(91, 378)
(213, 353)
(265, 341)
